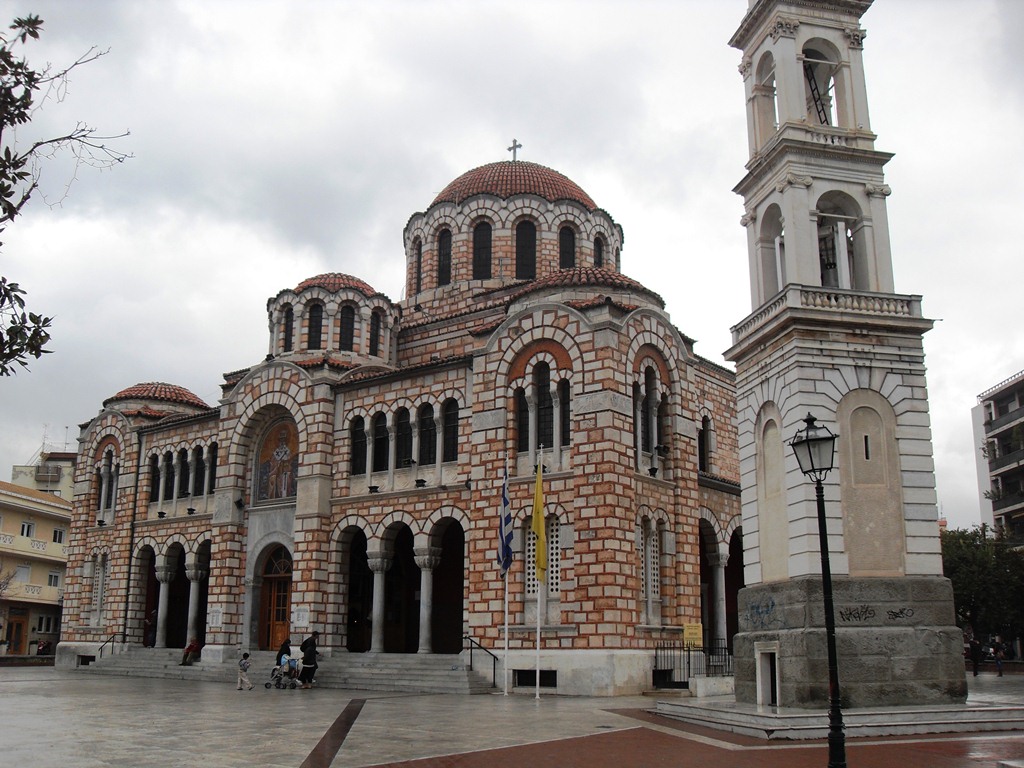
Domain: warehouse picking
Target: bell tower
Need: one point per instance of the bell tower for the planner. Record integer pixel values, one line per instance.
(828, 335)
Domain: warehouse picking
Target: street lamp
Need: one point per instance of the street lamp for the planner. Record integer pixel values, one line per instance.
(815, 449)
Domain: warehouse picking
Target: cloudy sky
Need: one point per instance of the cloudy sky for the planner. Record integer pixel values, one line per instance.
(275, 141)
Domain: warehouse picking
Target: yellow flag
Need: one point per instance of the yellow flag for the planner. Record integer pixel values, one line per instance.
(537, 526)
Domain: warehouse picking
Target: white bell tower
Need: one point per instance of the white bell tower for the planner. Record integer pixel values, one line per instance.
(828, 335)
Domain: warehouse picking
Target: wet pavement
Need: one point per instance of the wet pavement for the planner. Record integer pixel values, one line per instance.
(63, 719)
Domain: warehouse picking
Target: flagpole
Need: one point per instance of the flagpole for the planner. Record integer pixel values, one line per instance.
(537, 557)
(504, 578)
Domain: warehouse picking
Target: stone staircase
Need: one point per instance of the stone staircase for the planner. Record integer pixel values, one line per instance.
(399, 672)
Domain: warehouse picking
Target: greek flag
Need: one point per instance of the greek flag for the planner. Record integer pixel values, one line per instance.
(505, 529)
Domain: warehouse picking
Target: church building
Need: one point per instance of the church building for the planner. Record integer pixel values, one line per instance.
(350, 480)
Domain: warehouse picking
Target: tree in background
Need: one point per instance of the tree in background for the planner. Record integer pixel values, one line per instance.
(988, 578)
(24, 334)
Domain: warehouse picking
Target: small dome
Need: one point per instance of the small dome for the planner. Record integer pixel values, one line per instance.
(336, 281)
(157, 390)
(514, 177)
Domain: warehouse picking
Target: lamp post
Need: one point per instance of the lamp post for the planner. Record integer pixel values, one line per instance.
(815, 448)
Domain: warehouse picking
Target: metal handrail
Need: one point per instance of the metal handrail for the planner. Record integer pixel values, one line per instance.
(108, 640)
(494, 659)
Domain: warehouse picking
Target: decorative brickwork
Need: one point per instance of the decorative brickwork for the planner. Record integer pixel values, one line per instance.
(392, 517)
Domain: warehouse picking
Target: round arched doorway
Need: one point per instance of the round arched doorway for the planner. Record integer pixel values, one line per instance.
(276, 600)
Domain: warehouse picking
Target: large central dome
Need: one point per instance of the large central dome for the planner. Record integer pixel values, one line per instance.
(514, 177)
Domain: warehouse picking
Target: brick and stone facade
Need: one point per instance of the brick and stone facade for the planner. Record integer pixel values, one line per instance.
(350, 481)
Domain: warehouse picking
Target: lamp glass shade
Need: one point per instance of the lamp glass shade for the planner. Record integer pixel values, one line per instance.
(815, 448)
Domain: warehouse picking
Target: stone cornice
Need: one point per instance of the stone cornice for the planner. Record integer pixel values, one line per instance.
(757, 16)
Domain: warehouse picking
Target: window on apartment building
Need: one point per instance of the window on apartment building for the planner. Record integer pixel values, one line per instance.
(58, 535)
(46, 624)
(28, 529)
(23, 573)
(53, 579)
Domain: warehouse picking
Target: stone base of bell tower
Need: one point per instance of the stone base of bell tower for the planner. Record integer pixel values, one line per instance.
(896, 642)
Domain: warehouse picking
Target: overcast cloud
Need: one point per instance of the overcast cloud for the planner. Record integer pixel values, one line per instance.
(275, 141)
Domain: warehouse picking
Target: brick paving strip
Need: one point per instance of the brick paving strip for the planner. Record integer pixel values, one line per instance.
(323, 753)
(661, 742)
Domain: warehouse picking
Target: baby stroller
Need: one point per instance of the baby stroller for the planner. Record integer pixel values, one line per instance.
(285, 675)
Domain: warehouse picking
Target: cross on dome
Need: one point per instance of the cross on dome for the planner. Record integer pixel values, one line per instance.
(515, 146)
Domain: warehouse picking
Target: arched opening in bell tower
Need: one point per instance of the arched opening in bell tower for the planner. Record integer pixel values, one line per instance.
(771, 244)
(766, 113)
(841, 249)
(823, 85)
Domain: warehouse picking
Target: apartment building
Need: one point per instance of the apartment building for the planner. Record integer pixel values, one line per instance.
(34, 527)
(998, 421)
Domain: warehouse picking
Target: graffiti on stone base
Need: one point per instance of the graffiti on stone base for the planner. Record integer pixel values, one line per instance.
(857, 613)
(902, 613)
(761, 615)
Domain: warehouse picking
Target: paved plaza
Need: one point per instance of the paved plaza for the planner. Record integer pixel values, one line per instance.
(63, 719)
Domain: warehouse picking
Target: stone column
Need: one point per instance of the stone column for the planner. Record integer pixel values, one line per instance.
(379, 564)
(104, 482)
(392, 451)
(164, 576)
(556, 429)
(195, 577)
(718, 561)
(162, 469)
(439, 446)
(175, 489)
(427, 560)
(638, 442)
(191, 476)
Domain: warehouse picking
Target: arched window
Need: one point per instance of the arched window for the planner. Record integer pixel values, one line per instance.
(650, 416)
(598, 253)
(286, 328)
(347, 328)
(315, 331)
(183, 473)
(526, 250)
(566, 248)
(357, 438)
(154, 478)
(650, 572)
(522, 421)
(444, 257)
(199, 477)
(418, 247)
(212, 480)
(482, 251)
(381, 443)
(168, 475)
(704, 445)
(450, 427)
(403, 439)
(428, 435)
(375, 333)
(551, 534)
(565, 406)
(545, 405)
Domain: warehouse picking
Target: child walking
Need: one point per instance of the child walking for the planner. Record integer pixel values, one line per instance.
(243, 672)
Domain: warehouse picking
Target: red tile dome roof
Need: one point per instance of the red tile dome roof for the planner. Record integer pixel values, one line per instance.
(336, 281)
(157, 390)
(587, 277)
(514, 177)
